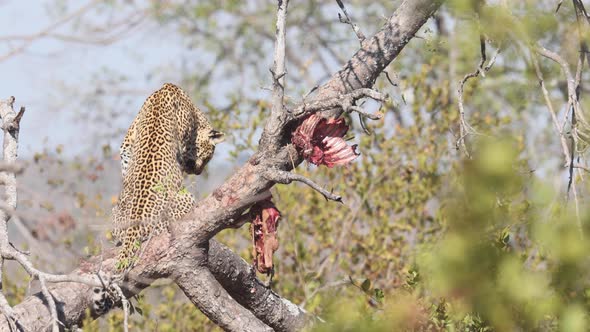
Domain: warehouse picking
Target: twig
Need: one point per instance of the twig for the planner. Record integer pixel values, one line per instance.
(327, 286)
(577, 115)
(464, 128)
(16, 168)
(284, 177)
(125, 304)
(372, 300)
(359, 34)
(50, 304)
(389, 79)
(552, 112)
(558, 5)
(30, 39)
(582, 167)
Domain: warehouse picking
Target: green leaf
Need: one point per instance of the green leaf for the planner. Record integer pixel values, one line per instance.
(379, 295)
(366, 285)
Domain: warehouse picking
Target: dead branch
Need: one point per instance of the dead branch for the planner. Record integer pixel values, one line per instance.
(285, 177)
(577, 114)
(236, 275)
(125, 304)
(464, 128)
(27, 41)
(359, 34)
(11, 125)
(278, 72)
(227, 267)
(552, 112)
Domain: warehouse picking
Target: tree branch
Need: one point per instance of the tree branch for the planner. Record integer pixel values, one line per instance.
(199, 285)
(347, 20)
(235, 275)
(285, 177)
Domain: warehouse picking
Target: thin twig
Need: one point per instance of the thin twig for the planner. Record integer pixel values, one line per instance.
(558, 5)
(30, 39)
(284, 177)
(576, 113)
(346, 20)
(50, 304)
(464, 128)
(552, 112)
(125, 304)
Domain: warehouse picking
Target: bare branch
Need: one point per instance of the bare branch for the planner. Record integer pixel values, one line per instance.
(577, 115)
(377, 52)
(10, 146)
(359, 34)
(285, 177)
(15, 168)
(212, 299)
(279, 71)
(552, 112)
(30, 39)
(125, 303)
(558, 5)
(50, 304)
(361, 71)
(464, 128)
(236, 276)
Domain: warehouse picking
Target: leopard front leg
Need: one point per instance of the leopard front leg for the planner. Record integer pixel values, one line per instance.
(128, 254)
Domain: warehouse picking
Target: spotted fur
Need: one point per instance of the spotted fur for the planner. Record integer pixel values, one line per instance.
(169, 137)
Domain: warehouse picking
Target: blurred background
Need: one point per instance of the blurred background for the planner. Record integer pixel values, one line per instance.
(449, 223)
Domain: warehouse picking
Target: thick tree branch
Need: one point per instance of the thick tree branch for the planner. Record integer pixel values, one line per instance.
(377, 52)
(236, 276)
(199, 285)
(160, 258)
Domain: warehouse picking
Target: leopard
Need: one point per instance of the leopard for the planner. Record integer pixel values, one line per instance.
(169, 137)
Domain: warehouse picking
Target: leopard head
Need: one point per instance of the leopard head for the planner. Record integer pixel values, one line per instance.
(206, 141)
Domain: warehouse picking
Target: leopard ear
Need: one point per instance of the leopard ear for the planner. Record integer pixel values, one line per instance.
(216, 136)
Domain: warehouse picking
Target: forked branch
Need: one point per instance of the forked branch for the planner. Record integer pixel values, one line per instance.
(284, 177)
